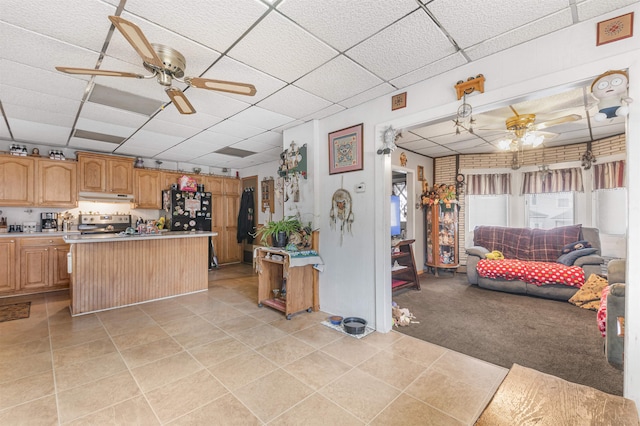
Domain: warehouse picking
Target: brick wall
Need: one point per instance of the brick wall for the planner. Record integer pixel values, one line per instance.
(445, 167)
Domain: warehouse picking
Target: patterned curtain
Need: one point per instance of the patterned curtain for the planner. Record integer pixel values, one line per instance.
(608, 175)
(493, 184)
(563, 180)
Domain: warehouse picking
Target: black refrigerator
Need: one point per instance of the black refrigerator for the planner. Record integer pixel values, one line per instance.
(189, 211)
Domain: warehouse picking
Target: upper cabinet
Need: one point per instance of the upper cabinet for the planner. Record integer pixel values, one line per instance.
(148, 191)
(17, 181)
(105, 173)
(57, 183)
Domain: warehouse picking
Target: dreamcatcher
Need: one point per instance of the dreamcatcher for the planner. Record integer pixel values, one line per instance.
(341, 211)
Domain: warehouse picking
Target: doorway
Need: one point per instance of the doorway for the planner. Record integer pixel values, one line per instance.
(250, 183)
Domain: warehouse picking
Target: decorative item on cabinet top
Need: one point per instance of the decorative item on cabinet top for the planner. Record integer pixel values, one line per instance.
(446, 194)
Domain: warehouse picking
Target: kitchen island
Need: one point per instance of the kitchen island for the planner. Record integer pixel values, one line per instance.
(115, 270)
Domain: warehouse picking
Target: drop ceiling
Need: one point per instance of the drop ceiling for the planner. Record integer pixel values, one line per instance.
(307, 59)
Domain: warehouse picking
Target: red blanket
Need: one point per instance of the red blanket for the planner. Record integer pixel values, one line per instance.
(538, 273)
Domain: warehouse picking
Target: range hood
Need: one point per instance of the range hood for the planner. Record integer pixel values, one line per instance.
(105, 197)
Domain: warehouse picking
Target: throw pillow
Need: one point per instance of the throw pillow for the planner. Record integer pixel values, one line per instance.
(576, 246)
(569, 258)
(588, 297)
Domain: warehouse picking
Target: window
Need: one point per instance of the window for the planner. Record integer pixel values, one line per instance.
(549, 210)
(400, 189)
(487, 210)
(610, 210)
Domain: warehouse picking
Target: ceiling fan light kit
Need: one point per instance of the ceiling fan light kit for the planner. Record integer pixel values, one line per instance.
(165, 64)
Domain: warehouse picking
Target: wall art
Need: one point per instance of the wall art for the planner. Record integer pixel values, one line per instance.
(345, 150)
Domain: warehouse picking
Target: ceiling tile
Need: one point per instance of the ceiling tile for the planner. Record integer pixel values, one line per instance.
(485, 21)
(294, 102)
(25, 47)
(235, 128)
(353, 80)
(28, 131)
(28, 113)
(405, 46)
(521, 34)
(105, 128)
(168, 128)
(50, 82)
(91, 145)
(376, 92)
(294, 123)
(343, 24)
(417, 144)
(97, 112)
(443, 65)
(436, 151)
(40, 101)
(4, 131)
(151, 140)
(147, 88)
(82, 23)
(262, 118)
(592, 8)
(280, 48)
(232, 70)
(323, 113)
(215, 24)
(484, 148)
(199, 120)
(134, 150)
(463, 144)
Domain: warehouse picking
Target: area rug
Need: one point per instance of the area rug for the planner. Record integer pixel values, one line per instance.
(15, 311)
(527, 396)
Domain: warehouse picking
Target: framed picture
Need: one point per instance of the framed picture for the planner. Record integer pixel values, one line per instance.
(420, 173)
(615, 29)
(345, 150)
(399, 101)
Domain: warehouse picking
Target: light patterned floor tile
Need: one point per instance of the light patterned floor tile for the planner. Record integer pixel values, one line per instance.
(26, 365)
(316, 411)
(226, 409)
(164, 371)
(41, 411)
(26, 389)
(218, 351)
(135, 411)
(408, 411)
(149, 352)
(285, 350)
(245, 368)
(72, 375)
(392, 369)
(350, 350)
(317, 369)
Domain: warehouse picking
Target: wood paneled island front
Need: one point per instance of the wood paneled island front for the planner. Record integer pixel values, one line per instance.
(111, 271)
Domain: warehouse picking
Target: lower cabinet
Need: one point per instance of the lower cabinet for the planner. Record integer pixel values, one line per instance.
(43, 264)
(7, 265)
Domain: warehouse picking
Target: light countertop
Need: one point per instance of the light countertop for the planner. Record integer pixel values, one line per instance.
(37, 234)
(102, 238)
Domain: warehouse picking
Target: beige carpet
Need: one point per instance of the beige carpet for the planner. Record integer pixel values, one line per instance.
(529, 397)
(14, 311)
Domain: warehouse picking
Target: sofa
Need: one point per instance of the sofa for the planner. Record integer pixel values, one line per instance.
(534, 248)
(612, 312)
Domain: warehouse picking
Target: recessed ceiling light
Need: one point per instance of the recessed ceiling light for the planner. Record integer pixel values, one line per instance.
(235, 152)
(95, 136)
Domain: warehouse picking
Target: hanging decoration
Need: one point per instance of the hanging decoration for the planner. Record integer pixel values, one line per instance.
(464, 117)
(341, 213)
(389, 138)
(587, 159)
(293, 165)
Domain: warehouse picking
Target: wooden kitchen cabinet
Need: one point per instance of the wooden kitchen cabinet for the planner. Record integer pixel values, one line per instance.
(7, 265)
(43, 264)
(169, 178)
(17, 181)
(148, 193)
(56, 183)
(105, 173)
(214, 184)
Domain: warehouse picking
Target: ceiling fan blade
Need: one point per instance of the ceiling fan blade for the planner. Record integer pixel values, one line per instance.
(222, 86)
(180, 101)
(137, 40)
(89, 71)
(556, 121)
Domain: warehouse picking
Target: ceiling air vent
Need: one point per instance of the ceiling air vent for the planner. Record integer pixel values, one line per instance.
(122, 100)
(95, 136)
(235, 152)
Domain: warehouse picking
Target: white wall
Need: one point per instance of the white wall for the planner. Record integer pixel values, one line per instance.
(356, 280)
(265, 170)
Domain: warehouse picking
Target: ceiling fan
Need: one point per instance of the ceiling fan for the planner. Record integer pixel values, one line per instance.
(525, 132)
(165, 64)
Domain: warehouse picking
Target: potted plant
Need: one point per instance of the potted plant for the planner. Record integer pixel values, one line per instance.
(278, 231)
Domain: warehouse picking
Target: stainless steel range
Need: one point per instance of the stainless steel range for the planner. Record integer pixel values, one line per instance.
(103, 223)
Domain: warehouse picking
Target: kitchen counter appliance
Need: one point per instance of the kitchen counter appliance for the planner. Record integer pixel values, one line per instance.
(97, 223)
(48, 222)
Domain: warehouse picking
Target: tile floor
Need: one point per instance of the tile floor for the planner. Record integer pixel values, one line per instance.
(216, 358)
